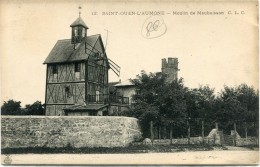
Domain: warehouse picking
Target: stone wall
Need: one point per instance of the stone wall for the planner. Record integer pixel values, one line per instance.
(250, 140)
(63, 131)
(193, 140)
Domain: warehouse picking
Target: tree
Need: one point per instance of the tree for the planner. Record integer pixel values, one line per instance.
(201, 103)
(236, 105)
(206, 100)
(11, 107)
(172, 104)
(145, 108)
(158, 101)
(168, 104)
(34, 109)
(249, 101)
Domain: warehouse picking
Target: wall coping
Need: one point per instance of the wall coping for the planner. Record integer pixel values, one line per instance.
(67, 117)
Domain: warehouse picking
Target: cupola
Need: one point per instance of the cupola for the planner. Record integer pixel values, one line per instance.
(79, 30)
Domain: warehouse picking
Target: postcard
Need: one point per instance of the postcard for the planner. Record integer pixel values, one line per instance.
(129, 82)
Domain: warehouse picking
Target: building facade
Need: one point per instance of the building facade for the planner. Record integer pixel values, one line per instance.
(77, 74)
(122, 99)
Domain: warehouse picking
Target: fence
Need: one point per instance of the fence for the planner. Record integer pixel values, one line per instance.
(105, 98)
(200, 131)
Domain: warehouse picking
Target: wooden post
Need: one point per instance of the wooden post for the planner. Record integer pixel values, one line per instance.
(188, 122)
(246, 134)
(257, 136)
(257, 133)
(159, 132)
(151, 131)
(235, 134)
(216, 126)
(246, 131)
(222, 138)
(202, 131)
(171, 129)
(214, 138)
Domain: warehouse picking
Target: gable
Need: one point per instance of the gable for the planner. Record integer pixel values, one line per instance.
(99, 46)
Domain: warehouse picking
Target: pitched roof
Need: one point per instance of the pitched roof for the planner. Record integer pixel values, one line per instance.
(125, 83)
(84, 107)
(63, 51)
(79, 22)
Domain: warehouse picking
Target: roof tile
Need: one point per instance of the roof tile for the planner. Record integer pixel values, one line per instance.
(63, 51)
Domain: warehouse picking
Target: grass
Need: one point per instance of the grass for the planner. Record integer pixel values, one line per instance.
(251, 147)
(104, 150)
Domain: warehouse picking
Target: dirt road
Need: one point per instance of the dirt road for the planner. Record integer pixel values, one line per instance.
(196, 157)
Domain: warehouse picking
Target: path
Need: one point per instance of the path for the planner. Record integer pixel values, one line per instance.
(198, 157)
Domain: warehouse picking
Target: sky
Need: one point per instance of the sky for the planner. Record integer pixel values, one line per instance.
(214, 50)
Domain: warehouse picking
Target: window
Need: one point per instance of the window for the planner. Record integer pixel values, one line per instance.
(83, 32)
(54, 69)
(77, 67)
(67, 91)
(97, 96)
(97, 55)
(138, 92)
(75, 31)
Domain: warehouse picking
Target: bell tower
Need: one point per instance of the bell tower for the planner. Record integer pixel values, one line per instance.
(79, 30)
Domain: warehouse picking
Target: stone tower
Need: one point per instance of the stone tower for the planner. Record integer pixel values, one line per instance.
(170, 69)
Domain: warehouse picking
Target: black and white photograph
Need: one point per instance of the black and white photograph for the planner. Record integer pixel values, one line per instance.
(129, 82)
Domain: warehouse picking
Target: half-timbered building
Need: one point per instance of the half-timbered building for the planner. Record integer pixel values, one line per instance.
(77, 74)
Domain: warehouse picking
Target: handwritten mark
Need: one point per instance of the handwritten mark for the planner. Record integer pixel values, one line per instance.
(153, 27)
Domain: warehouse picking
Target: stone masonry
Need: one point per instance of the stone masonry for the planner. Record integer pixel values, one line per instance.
(62, 131)
(170, 69)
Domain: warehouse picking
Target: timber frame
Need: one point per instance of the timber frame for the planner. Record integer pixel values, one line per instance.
(80, 81)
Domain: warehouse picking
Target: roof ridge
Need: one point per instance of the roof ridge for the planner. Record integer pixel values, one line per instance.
(86, 36)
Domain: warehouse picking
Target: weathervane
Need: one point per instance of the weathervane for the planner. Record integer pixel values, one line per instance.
(79, 10)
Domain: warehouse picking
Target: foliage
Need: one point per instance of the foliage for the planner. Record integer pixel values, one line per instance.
(34, 109)
(145, 109)
(237, 105)
(158, 101)
(174, 103)
(200, 108)
(11, 107)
